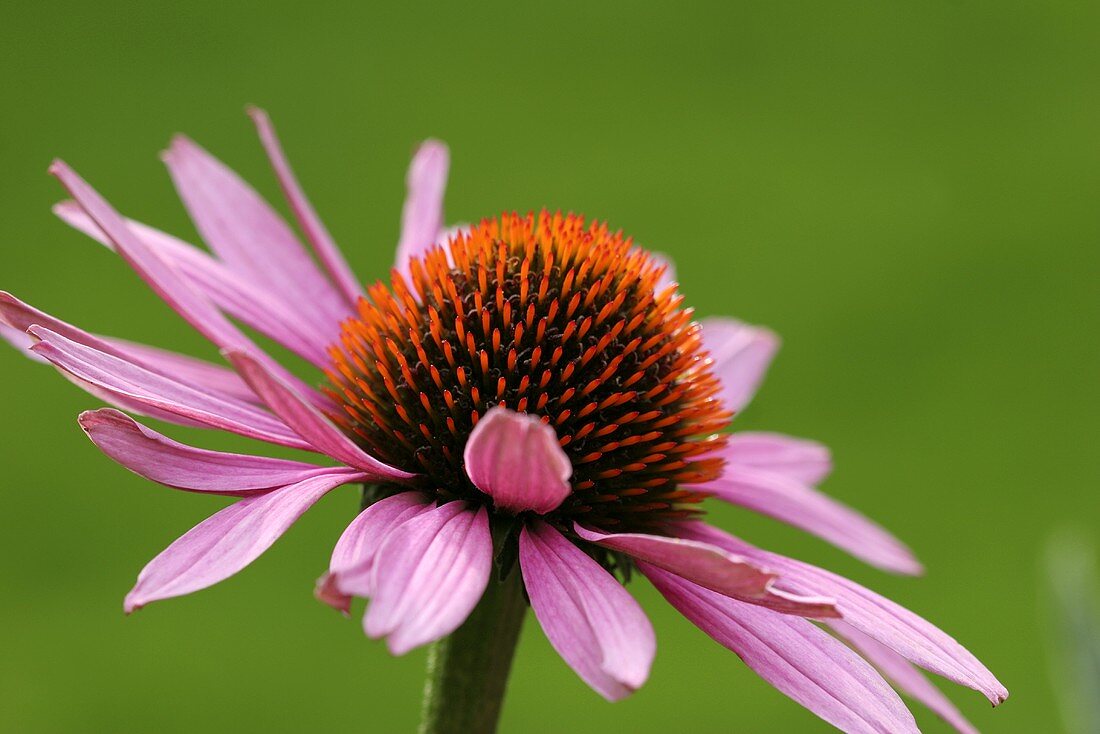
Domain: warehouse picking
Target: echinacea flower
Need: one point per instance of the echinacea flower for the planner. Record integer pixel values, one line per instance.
(527, 398)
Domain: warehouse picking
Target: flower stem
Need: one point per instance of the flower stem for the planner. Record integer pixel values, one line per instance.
(468, 670)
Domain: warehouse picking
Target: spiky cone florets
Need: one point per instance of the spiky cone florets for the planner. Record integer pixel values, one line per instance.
(550, 316)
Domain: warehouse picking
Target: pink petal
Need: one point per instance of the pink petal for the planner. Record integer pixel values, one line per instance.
(229, 540)
(804, 461)
(793, 655)
(422, 216)
(712, 568)
(350, 571)
(164, 280)
(195, 372)
(589, 618)
(429, 575)
(306, 420)
(515, 458)
(311, 224)
(153, 456)
(250, 237)
(905, 677)
(668, 277)
(130, 386)
(909, 635)
(229, 291)
(797, 504)
(741, 355)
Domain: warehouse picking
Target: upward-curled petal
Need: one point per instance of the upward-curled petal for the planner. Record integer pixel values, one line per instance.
(589, 618)
(422, 216)
(515, 458)
(229, 540)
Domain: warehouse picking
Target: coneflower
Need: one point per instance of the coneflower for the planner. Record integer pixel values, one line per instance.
(534, 417)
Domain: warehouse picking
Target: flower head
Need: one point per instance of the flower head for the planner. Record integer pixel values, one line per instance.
(528, 392)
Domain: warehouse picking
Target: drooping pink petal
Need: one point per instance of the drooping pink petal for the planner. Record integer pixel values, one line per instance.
(316, 233)
(741, 354)
(422, 216)
(350, 571)
(195, 372)
(906, 633)
(133, 387)
(165, 281)
(793, 655)
(515, 458)
(805, 461)
(429, 574)
(904, 677)
(804, 507)
(154, 456)
(249, 236)
(233, 293)
(589, 618)
(306, 420)
(712, 568)
(229, 540)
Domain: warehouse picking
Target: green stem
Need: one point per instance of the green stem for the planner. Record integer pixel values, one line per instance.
(468, 670)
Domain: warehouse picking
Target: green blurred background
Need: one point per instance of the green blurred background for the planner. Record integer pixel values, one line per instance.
(906, 192)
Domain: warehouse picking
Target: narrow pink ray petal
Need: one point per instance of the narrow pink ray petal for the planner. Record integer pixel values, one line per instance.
(422, 216)
(804, 461)
(235, 294)
(157, 457)
(741, 355)
(204, 375)
(712, 568)
(127, 385)
(306, 420)
(904, 677)
(515, 458)
(906, 633)
(793, 655)
(589, 618)
(350, 572)
(249, 236)
(165, 281)
(316, 232)
(804, 507)
(229, 540)
(429, 574)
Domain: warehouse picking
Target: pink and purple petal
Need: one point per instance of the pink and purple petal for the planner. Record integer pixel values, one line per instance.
(422, 216)
(315, 231)
(713, 568)
(350, 571)
(741, 356)
(903, 631)
(799, 459)
(795, 503)
(307, 421)
(589, 618)
(232, 292)
(904, 677)
(160, 459)
(250, 237)
(428, 576)
(516, 459)
(135, 388)
(229, 540)
(794, 656)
